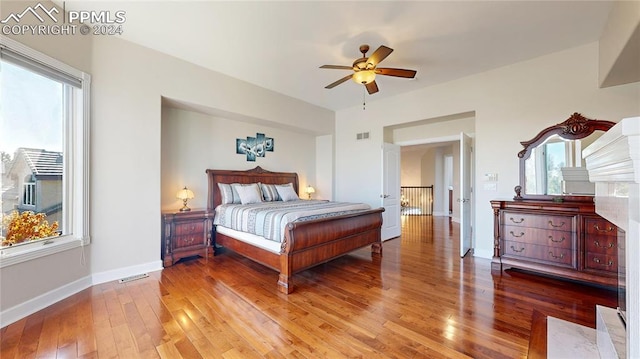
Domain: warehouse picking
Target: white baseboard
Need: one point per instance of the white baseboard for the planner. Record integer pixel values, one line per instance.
(455, 219)
(439, 214)
(115, 274)
(40, 302)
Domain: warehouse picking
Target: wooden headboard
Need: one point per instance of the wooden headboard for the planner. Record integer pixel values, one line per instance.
(249, 176)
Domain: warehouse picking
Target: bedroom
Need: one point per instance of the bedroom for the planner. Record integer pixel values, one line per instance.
(511, 102)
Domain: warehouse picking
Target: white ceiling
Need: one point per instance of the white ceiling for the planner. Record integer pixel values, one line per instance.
(280, 45)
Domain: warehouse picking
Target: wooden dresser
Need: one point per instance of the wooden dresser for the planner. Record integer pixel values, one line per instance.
(185, 234)
(565, 239)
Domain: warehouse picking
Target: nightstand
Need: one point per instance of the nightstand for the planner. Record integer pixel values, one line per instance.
(185, 234)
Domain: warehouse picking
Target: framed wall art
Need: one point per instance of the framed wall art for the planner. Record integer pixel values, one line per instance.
(254, 147)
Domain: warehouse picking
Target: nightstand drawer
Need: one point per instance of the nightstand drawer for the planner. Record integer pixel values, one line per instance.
(196, 227)
(188, 240)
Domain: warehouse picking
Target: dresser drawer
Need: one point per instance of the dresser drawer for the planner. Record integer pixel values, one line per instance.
(602, 244)
(599, 227)
(559, 223)
(601, 261)
(195, 227)
(539, 253)
(545, 237)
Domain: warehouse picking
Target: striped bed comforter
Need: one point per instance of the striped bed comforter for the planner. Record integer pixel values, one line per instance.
(269, 219)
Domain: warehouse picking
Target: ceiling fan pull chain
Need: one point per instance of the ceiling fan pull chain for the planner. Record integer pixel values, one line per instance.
(364, 99)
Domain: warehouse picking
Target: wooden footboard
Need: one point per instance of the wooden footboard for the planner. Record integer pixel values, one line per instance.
(309, 243)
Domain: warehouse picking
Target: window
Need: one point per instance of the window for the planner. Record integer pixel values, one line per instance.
(555, 158)
(44, 146)
(29, 194)
(547, 161)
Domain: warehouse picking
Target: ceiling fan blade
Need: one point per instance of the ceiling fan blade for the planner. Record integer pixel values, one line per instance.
(396, 72)
(337, 67)
(372, 87)
(380, 54)
(334, 84)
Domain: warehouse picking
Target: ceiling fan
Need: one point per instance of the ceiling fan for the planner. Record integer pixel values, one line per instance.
(365, 69)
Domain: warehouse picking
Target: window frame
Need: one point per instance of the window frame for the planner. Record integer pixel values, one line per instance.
(76, 170)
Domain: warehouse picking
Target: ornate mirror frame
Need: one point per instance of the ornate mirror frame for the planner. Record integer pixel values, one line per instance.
(574, 128)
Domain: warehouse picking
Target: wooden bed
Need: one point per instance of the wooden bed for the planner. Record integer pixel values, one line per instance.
(306, 243)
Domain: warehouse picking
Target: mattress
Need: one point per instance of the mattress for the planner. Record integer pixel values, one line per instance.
(269, 219)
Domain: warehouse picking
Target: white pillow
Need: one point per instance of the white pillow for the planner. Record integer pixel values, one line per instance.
(286, 192)
(249, 193)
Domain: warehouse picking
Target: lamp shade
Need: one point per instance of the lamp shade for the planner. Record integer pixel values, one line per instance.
(364, 76)
(310, 190)
(184, 193)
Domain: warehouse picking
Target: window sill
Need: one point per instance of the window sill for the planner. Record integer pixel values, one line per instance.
(15, 255)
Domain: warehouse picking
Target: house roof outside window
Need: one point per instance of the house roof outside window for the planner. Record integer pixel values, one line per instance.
(41, 162)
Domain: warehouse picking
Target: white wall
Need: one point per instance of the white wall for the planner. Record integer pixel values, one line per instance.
(434, 130)
(511, 104)
(323, 183)
(620, 45)
(411, 166)
(193, 142)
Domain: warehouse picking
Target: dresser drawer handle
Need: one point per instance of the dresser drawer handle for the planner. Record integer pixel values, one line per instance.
(597, 244)
(517, 251)
(556, 226)
(555, 256)
(604, 230)
(597, 260)
(556, 240)
(188, 240)
(515, 235)
(514, 221)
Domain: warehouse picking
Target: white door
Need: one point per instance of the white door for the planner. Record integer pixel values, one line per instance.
(390, 196)
(465, 194)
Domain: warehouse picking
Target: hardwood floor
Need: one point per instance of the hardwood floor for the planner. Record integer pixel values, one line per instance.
(419, 300)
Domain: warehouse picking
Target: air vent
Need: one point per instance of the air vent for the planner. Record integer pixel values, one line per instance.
(362, 136)
(132, 278)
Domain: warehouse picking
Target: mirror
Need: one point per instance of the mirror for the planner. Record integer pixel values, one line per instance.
(551, 164)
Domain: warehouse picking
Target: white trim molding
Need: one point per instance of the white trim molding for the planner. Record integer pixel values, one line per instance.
(115, 274)
(40, 302)
(29, 251)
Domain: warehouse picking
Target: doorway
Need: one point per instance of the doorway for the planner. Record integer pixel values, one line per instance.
(434, 148)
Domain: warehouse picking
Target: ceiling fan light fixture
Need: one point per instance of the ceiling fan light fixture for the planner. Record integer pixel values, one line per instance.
(366, 68)
(364, 77)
